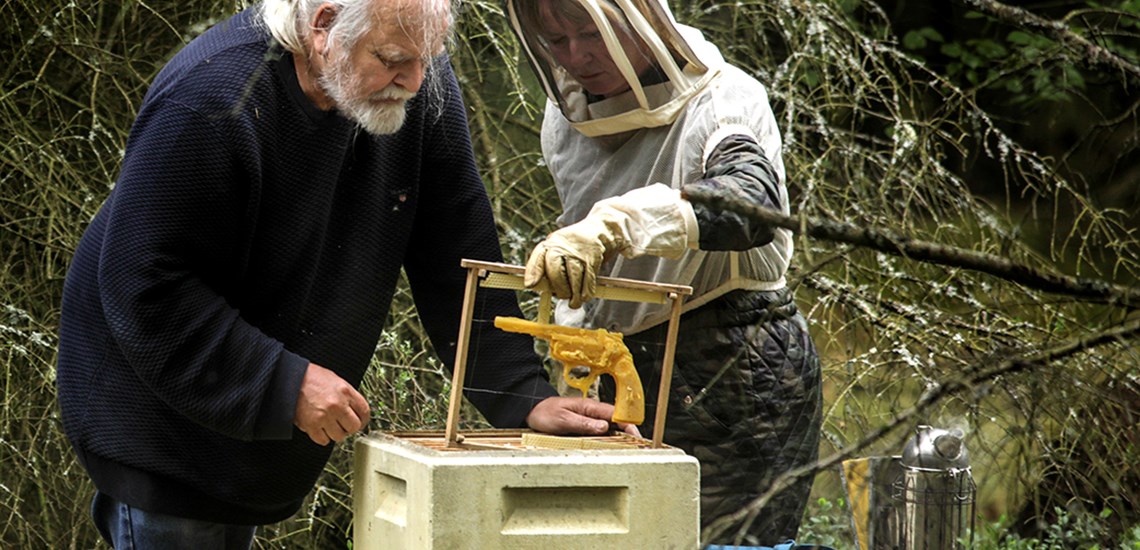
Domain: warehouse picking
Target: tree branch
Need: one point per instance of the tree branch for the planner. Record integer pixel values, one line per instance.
(923, 251)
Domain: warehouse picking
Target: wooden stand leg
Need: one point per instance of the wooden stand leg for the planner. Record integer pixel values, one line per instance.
(459, 373)
(667, 371)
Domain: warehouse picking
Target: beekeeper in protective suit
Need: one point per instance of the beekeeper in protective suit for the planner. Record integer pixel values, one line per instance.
(639, 108)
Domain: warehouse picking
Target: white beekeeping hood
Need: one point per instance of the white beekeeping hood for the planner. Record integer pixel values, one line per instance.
(680, 69)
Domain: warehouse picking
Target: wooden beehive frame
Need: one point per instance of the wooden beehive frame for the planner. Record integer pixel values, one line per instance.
(506, 276)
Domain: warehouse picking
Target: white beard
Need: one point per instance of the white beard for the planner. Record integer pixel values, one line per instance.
(339, 82)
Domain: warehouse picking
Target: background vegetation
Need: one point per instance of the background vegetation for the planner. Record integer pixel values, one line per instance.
(1003, 129)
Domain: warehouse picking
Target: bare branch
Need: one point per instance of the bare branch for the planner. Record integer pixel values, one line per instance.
(924, 251)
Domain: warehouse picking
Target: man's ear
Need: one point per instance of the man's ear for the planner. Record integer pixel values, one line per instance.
(320, 24)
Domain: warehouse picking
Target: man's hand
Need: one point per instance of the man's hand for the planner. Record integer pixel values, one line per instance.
(329, 408)
(574, 415)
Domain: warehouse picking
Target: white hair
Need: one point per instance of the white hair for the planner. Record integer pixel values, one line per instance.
(288, 23)
(288, 20)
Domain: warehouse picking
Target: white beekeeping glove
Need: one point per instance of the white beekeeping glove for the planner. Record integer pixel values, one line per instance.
(652, 220)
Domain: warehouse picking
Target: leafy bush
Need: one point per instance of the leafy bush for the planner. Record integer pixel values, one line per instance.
(827, 522)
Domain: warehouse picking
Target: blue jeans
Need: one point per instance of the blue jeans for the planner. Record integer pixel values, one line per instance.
(127, 528)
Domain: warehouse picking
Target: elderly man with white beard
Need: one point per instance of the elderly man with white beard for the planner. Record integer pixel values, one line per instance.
(223, 306)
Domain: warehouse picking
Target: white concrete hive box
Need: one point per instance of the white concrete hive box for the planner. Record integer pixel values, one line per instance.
(516, 489)
(408, 495)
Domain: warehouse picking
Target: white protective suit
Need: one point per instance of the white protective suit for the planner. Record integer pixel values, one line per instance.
(639, 148)
(745, 397)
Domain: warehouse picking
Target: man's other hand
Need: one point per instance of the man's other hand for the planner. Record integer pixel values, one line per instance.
(329, 408)
(574, 415)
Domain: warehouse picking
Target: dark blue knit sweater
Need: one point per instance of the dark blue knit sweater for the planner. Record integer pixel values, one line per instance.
(247, 235)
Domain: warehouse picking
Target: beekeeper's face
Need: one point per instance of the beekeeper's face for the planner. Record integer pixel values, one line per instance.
(577, 45)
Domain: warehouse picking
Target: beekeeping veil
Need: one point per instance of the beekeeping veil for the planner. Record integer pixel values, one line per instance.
(680, 71)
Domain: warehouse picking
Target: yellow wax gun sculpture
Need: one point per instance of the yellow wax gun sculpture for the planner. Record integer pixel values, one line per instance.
(600, 351)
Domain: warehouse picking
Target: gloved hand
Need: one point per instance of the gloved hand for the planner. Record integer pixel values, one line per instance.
(651, 220)
(570, 257)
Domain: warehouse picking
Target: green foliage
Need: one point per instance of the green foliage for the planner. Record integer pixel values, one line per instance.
(828, 523)
(1008, 64)
(1080, 529)
(1027, 67)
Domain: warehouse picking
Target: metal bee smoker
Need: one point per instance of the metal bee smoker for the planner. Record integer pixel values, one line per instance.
(936, 492)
